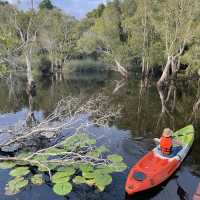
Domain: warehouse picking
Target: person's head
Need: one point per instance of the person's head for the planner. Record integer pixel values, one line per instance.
(167, 132)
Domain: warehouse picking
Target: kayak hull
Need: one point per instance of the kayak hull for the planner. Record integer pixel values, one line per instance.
(149, 166)
(154, 168)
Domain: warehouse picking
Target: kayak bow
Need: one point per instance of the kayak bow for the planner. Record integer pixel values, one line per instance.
(154, 168)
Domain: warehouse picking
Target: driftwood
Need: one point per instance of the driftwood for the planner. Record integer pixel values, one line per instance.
(70, 114)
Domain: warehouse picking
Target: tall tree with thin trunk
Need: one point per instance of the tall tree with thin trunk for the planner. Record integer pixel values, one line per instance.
(175, 21)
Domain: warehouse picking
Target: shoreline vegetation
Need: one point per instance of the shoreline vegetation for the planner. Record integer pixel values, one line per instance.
(156, 38)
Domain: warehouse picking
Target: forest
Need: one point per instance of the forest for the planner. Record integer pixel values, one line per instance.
(155, 38)
(81, 99)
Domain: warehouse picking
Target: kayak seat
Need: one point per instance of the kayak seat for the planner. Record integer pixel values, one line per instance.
(174, 152)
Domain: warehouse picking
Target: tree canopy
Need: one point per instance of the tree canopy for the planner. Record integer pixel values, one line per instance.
(46, 4)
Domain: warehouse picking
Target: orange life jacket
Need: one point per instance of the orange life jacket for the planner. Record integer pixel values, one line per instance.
(166, 145)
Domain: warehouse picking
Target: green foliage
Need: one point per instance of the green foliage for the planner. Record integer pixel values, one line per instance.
(77, 172)
(46, 4)
(20, 171)
(62, 188)
(79, 180)
(7, 165)
(118, 167)
(115, 158)
(86, 65)
(37, 179)
(132, 32)
(60, 177)
(15, 185)
(102, 180)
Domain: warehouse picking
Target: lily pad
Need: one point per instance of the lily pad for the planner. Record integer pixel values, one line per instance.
(105, 169)
(60, 177)
(101, 187)
(88, 175)
(7, 165)
(68, 170)
(24, 154)
(62, 189)
(41, 157)
(115, 158)
(14, 186)
(19, 171)
(103, 149)
(79, 180)
(94, 153)
(37, 179)
(86, 168)
(51, 166)
(91, 141)
(90, 182)
(118, 167)
(102, 179)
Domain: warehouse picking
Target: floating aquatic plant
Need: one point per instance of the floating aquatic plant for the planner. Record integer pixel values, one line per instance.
(76, 160)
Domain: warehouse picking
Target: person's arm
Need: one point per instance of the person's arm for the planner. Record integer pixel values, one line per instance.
(157, 141)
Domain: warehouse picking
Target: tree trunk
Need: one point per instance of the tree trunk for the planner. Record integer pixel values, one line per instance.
(30, 82)
(145, 68)
(29, 70)
(165, 73)
(121, 69)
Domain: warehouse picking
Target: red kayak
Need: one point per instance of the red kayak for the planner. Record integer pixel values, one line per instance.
(154, 168)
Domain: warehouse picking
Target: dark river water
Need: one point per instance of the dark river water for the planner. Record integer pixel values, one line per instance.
(130, 136)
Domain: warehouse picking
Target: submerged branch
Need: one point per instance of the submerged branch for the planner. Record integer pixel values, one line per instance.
(70, 114)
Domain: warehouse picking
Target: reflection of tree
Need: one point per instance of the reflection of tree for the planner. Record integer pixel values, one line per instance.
(168, 103)
(11, 83)
(30, 118)
(144, 83)
(119, 85)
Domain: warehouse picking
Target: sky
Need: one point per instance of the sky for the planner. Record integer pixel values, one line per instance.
(76, 8)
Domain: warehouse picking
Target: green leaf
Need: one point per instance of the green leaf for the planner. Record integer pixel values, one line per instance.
(19, 171)
(24, 154)
(115, 158)
(79, 180)
(15, 185)
(86, 167)
(106, 170)
(68, 170)
(7, 165)
(60, 177)
(88, 175)
(102, 149)
(62, 188)
(94, 153)
(102, 180)
(41, 157)
(91, 142)
(42, 169)
(37, 179)
(101, 187)
(51, 166)
(90, 182)
(118, 167)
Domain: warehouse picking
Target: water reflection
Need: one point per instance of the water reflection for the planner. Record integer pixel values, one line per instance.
(146, 111)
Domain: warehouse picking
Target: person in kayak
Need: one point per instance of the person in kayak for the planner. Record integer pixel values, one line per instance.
(166, 142)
